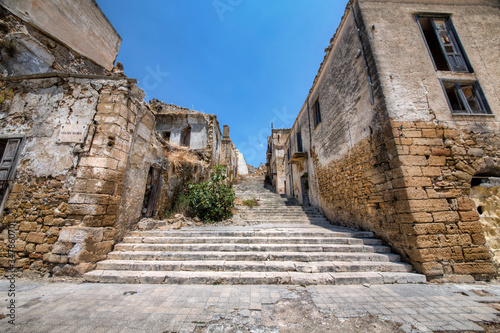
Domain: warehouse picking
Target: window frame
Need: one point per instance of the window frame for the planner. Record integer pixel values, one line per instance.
(455, 41)
(478, 95)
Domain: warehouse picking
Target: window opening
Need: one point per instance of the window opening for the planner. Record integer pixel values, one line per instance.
(466, 97)
(317, 113)
(299, 142)
(166, 136)
(186, 136)
(443, 44)
(8, 154)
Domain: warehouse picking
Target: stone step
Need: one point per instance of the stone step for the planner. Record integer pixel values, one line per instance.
(296, 278)
(251, 233)
(252, 266)
(253, 256)
(253, 248)
(253, 240)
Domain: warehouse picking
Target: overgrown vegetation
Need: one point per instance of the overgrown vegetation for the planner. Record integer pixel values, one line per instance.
(180, 206)
(251, 202)
(212, 200)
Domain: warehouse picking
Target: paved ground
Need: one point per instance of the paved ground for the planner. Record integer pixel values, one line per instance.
(87, 307)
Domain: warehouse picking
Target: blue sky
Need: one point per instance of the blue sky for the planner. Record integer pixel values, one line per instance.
(250, 62)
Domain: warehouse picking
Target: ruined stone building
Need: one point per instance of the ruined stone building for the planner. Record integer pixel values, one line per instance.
(400, 134)
(275, 158)
(83, 157)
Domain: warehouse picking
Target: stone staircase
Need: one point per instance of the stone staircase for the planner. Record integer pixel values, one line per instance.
(279, 243)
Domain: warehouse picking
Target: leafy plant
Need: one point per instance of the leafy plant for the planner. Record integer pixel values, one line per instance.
(251, 202)
(212, 200)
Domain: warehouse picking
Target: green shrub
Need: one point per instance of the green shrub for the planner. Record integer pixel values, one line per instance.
(212, 200)
(251, 202)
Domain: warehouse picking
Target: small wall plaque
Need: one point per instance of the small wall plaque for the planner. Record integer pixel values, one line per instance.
(72, 133)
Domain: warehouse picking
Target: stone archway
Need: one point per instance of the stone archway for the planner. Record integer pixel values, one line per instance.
(485, 191)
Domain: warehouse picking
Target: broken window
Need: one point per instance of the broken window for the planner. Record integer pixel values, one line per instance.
(299, 142)
(8, 153)
(186, 136)
(443, 44)
(317, 114)
(466, 97)
(166, 136)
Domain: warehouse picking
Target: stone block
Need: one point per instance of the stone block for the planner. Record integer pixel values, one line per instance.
(89, 198)
(57, 258)
(43, 248)
(439, 151)
(429, 205)
(436, 160)
(109, 234)
(95, 186)
(470, 227)
(420, 150)
(411, 182)
(432, 268)
(478, 239)
(28, 226)
(446, 216)
(19, 245)
(411, 133)
(450, 134)
(35, 237)
(82, 209)
(62, 248)
(425, 241)
(80, 235)
(466, 204)
(413, 217)
(428, 141)
(99, 221)
(410, 160)
(429, 228)
(407, 171)
(99, 162)
(469, 216)
(431, 171)
(477, 152)
(455, 240)
(477, 253)
(435, 254)
(99, 173)
(429, 133)
(474, 268)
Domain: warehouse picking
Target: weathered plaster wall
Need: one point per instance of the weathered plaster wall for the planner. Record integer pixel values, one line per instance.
(64, 202)
(79, 24)
(27, 50)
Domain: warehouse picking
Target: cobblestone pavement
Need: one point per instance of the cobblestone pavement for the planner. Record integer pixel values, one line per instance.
(87, 307)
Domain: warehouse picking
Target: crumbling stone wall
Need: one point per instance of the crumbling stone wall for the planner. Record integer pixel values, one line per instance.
(487, 199)
(64, 202)
(25, 49)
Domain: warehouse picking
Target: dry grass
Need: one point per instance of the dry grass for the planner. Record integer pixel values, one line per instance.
(182, 156)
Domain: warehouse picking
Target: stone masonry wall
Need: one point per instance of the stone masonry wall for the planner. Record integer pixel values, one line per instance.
(63, 205)
(412, 188)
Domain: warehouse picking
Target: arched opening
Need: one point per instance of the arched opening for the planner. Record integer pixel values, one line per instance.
(485, 191)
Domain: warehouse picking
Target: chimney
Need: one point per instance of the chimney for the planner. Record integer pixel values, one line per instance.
(225, 131)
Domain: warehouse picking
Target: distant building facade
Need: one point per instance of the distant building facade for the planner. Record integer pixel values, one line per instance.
(275, 161)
